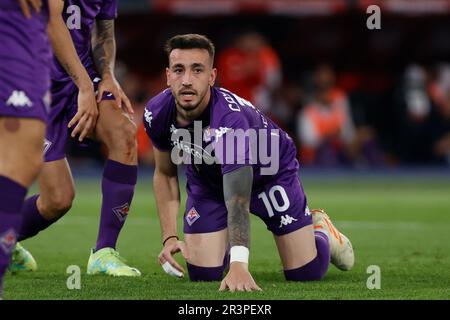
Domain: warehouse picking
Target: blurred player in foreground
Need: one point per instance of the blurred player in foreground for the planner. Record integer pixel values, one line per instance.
(87, 99)
(24, 91)
(226, 180)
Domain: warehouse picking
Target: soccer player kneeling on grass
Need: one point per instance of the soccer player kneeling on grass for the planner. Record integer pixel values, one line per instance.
(226, 142)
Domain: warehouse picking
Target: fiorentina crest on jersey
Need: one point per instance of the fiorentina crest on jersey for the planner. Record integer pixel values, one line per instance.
(192, 216)
(121, 212)
(8, 240)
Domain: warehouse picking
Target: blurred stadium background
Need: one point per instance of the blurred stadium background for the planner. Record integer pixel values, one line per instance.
(368, 109)
(349, 96)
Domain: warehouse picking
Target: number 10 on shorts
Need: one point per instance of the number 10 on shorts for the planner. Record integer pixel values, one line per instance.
(271, 202)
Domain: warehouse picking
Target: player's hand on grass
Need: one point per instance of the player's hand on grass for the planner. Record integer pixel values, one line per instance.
(87, 114)
(166, 259)
(239, 278)
(110, 84)
(25, 6)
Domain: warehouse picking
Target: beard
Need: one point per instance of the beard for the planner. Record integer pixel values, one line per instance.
(191, 101)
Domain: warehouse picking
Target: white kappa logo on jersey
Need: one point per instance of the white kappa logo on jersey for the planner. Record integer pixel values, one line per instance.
(221, 131)
(148, 117)
(19, 99)
(173, 129)
(286, 219)
(307, 212)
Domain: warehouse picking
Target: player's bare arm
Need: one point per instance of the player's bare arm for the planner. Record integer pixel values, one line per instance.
(104, 51)
(237, 186)
(86, 117)
(167, 194)
(25, 6)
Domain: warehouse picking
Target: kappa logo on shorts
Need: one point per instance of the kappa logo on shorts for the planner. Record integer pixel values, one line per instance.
(192, 216)
(8, 241)
(19, 99)
(287, 219)
(122, 211)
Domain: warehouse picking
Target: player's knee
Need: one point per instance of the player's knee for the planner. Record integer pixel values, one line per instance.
(312, 271)
(197, 273)
(34, 162)
(58, 204)
(122, 136)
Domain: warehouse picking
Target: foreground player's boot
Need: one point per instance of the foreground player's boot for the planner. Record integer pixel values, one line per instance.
(108, 261)
(341, 249)
(21, 260)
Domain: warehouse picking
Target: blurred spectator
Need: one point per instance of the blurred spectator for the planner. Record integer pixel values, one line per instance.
(287, 102)
(439, 91)
(326, 130)
(424, 115)
(251, 69)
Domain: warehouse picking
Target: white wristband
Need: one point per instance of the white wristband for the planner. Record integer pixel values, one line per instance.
(239, 254)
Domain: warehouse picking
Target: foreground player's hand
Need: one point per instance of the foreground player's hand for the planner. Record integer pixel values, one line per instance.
(110, 84)
(25, 6)
(239, 278)
(86, 116)
(171, 247)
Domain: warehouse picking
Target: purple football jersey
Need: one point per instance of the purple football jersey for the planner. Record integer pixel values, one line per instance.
(277, 196)
(25, 56)
(80, 16)
(225, 114)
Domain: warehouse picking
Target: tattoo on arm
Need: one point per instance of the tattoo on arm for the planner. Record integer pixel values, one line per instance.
(70, 72)
(237, 186)
(104, 45)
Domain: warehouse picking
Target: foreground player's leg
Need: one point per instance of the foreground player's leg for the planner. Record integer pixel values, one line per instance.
(304, 253)
(342, 255)
(207, 255)
(19, 166)
(42, 210)
(117, 131)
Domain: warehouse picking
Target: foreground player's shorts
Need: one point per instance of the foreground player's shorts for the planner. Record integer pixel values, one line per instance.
(281, 204)
(24, 65)
(63, 109)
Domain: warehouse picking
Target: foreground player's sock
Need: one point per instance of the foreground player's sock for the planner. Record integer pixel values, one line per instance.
(33, 222)
(118, 190)
(11, 200)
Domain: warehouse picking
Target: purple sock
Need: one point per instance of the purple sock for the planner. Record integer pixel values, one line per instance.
(11, 200)
(197, 273)
(118, 190)
(318, 267)
(32, 221)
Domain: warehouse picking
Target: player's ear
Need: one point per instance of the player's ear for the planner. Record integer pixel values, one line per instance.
(213, 76)
(167, 76)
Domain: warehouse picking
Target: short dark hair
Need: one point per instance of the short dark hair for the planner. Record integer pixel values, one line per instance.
(190, 41)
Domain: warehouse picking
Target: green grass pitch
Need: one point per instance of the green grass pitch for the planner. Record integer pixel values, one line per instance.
(401, 225)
